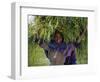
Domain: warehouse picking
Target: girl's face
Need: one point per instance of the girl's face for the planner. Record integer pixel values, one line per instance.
(58, 38)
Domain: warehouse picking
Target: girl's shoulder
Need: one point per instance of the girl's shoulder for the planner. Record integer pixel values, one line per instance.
(64, 45)
(52, 44)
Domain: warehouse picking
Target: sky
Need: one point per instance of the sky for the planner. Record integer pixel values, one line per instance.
(30, 18)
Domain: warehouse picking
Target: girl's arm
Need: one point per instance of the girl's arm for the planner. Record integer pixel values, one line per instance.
(44, 45)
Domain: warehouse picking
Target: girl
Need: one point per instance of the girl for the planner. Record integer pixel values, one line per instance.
(55, 49)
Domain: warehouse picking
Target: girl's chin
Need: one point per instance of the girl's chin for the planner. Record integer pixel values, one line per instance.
(58, 42)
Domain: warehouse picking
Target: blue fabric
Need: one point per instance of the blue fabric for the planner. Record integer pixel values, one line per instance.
(59, 47)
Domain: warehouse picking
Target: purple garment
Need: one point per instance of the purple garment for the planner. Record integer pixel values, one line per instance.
(70, 49)
(70, 57)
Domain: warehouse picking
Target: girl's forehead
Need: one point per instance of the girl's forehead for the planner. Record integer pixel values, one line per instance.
(58, 34)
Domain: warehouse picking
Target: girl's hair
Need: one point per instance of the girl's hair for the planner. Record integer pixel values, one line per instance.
(56, 31)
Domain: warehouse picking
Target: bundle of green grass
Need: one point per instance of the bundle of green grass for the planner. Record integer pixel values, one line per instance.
(36, 56)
